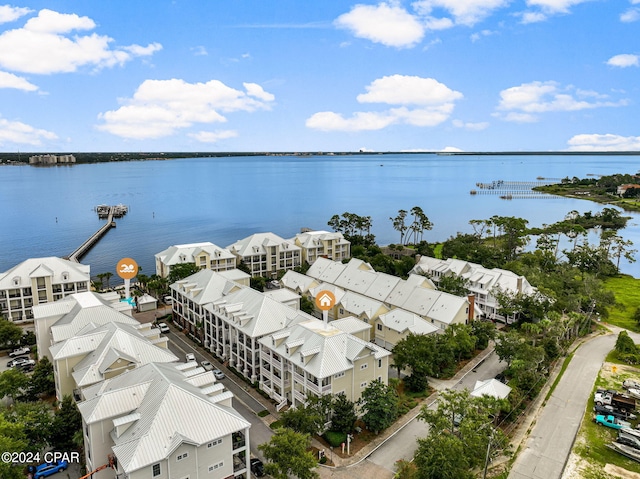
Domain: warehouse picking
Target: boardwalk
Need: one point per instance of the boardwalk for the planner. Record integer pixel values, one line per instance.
(87, 245)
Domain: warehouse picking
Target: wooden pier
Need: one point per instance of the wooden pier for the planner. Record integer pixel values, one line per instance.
(508, 190)
(108, 212)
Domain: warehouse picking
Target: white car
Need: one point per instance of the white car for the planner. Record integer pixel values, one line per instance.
(206, 365)
(218, 374)
(19, 352)
(163, 328)
(190, 357)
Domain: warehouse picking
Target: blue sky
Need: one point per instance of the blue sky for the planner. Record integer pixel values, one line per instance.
(245, 75)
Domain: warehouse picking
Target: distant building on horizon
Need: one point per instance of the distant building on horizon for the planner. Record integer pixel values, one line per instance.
(51, 159)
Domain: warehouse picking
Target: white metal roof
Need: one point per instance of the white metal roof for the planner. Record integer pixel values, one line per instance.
(171, 410)
(56, 268)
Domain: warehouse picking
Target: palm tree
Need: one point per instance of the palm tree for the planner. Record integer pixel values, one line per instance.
(108, 276)
(399, 224)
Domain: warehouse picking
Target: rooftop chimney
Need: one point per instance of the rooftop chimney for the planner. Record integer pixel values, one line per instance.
(472, 307)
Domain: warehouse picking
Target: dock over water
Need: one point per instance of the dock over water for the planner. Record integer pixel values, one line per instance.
(104, 211)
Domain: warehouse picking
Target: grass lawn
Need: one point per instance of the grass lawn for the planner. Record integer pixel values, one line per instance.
(627, 291)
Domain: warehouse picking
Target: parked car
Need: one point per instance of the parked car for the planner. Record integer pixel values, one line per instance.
(218, 374)
(257, 467)
(163, 328)
(628, 438)
(19, 352)
(190, 357)
(26, 367)
(206, 365)
(50, 468)
(19, 362)
(631, 383)
(610, 410)
(611, 421)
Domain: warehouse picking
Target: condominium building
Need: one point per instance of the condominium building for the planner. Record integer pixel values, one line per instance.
(264, 254)
(39, 281)
(482, 282)
(322, 244)
(314, 358)
(164, 421)
(98, 353)
(59, 321)
(51, 159)
(203, 255)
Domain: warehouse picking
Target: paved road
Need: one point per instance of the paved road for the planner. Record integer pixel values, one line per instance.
(547, 449)
(244, 403)
(381, 463)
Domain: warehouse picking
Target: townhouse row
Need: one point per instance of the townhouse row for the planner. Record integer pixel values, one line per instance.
(483, 283)
(391, 307)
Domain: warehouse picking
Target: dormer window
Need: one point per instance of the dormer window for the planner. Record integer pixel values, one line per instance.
(65, 276)
(16, 281)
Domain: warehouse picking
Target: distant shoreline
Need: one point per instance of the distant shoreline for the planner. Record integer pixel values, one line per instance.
(101, 157)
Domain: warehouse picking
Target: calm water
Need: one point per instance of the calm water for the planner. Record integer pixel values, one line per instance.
(49, 211)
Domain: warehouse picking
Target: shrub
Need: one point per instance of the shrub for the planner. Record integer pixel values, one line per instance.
(334, 438)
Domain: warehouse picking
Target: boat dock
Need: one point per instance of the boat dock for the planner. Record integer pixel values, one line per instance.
(104, 211)
(508, 190)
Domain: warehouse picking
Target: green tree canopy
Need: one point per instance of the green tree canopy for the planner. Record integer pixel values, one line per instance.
(379, 404)
(182, 270)
(287, 454)
(67, 421)
(10, 333)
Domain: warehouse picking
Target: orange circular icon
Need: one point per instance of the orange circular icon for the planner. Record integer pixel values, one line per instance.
(325, 300)
(127, 268)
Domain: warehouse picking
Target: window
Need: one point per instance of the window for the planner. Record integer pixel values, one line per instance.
(215, 443)
(182, 456)
(156, 470)
(379, 327)
(364, 366)
(363, 385)
(338, 375)
(213, 467)
(379, 363)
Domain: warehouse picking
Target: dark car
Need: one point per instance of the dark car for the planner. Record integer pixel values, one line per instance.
(606, 409)
(257, 467)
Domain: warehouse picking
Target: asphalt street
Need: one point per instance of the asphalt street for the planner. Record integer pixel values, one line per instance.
(547, 449)
(243, 402)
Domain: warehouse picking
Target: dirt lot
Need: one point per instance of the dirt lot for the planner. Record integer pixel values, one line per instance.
(583, 462)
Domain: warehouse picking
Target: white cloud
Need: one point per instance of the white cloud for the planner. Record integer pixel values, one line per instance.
(213, 136)
(199, 51)
(631, 15)
(49, 21)
(624, 60)
(384, 23)
(21, 133)
(49, 43)
(523, 102)
(330, 121)
(432, 102)
(607, 142)
(479, 126)
(555, 6)
(255, 90)
(9, 13)
(464, 12)
(478, 35)
(451, 149)
(160, 107)
(533, 17)
(9, 80)
(408, 90)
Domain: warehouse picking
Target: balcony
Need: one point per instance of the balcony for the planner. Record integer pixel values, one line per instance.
(238, 440)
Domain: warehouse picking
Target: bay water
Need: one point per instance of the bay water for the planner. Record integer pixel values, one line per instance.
(49, 211)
